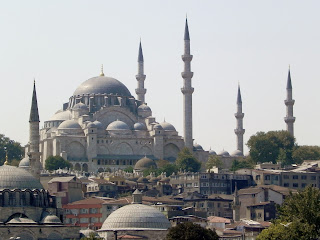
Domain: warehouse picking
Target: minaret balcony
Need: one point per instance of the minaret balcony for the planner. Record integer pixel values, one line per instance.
(141, 91)
(239, 131)
(289, 119)
(141, 77)
(187, 90)
(187, 75)
(289, 102)
(239, 115)
(187, 57)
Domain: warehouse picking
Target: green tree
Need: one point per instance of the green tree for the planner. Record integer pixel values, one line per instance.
(56, 162)
(128, 169)
(299, 217)
(302, 153)
(14, 149)
(265, 147)
(186, 161)
(190, 231)
(92, 236)
(214, 161)
(242, 163)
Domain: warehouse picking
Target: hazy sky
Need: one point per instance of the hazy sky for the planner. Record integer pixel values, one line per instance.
(63, 43)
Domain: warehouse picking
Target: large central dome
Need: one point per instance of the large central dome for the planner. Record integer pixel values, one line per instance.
(102, 84)
(16, 178)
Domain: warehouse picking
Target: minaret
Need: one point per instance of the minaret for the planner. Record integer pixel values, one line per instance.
(34, 137)
(140, 90)
(236, 204)
(239, 131)
(289, 102)
(187, 90)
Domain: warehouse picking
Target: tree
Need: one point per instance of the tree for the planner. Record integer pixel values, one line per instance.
(242, 163)
(299, 217)
(14, 149)
(186, 161)
(214, 161)
(56, 162)
(265, 147)
(190, 231)
(92, 236)
(302, 153)
(128, 169)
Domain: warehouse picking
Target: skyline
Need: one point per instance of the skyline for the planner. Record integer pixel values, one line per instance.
(230, 43)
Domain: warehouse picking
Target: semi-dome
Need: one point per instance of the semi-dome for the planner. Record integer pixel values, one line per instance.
(211, 152)
(224, 153)
(24, 163)
(139, 126)
(17, 178)
(167, 126)
(69, 124)
(144, 107)
(87, 232)
(197, 147)
(80, 106)
(145, 163)
(158, 127)
(61, 116)
(102, 85)
(51, 219)
(118, 125)
(136, 217)
(237, 153)
(98, 124)
(91, 125)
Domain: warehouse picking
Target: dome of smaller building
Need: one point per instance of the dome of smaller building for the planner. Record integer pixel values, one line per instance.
(98, 124)
(24, 163)
(158, 127)
(145, 163)
(237, 153)
(91, 125)
(69, 124)
(143, 180)
(88, 231)
(144, 108)
(61, 116)
(197, 147)
(224, 153)
(118, 125)
(80, 106)
(139, 126)
(167, 126)
(211, 152)
(51, 219)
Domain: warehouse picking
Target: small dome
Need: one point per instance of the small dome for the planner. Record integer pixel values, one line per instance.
(197, 147)
(98, 124)
(145, 163)
(224, 153)
(237, 153)
(167, 126)
(158, 127)
(139, 126)
(102, 85)
(211, 152)
(61, 116)
(118, 125)
(91, 125)
(24, 163)
(143, 180)
(144, 108)
(80, 106)
(17, 178)
(69, 124)
(136, 217)
(51, 219)
(88, 231)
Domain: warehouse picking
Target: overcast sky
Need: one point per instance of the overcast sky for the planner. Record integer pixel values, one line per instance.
(64, 43)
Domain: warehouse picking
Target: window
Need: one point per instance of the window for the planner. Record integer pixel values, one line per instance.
(93, 210)
(295, 177)
(84, 210)
(84, 220)
(195, 184)
(286, 184)
(258, 177)
(295, 185)
(267, 177)
(303, 185)
(313, 177)
(189, 185)
(259, 215)
(267, 214)
(303, 177)
(285, 176)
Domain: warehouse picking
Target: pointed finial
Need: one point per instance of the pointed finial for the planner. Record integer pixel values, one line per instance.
(186, 31)
(140, 55)
(6, 162)
(34, 113)
(239, 99)
(289, 84)
(289, 67)
(101, 74)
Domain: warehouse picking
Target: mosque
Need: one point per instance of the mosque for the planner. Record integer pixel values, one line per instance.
(104, 127)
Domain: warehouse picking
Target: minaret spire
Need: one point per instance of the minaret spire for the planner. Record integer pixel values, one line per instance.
(34, 136)
(140, 90)
(187, 90)
(239, 131)
(289, 102)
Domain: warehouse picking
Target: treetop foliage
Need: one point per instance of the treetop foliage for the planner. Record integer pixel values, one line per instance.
(214, 161)
(56, 162)
(186, 161)
(14, 149)
(190, 231)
